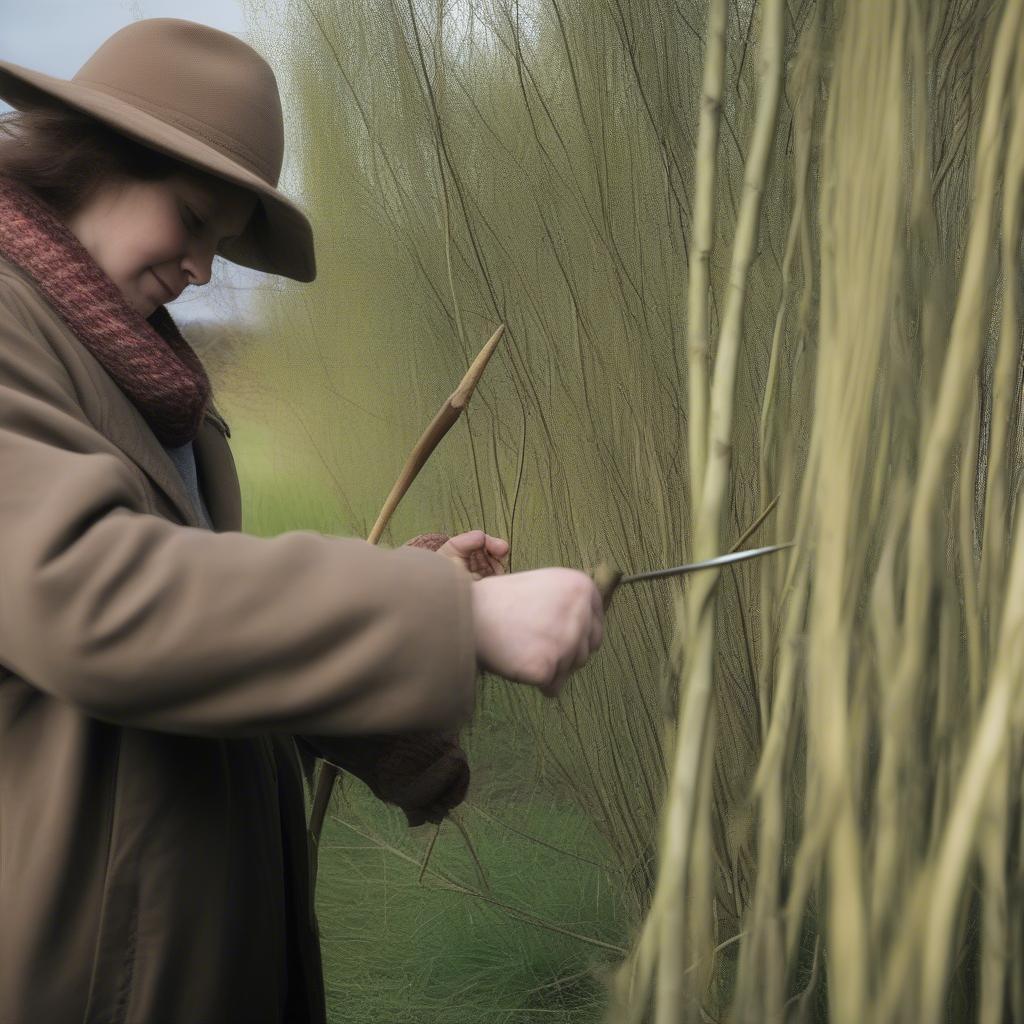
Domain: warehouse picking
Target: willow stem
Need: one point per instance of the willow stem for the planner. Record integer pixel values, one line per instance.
(703, 239)
(430, 439)
(680, 823)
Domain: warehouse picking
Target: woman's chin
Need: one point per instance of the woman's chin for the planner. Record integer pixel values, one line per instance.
(146, 305)
(145, 308)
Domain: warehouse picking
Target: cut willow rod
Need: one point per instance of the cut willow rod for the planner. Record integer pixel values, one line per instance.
(439, 426)
(680, 823)
(997, 511)
(632, 982)
(431, 438)
(861, 227)
(994, 824)
(960, 835)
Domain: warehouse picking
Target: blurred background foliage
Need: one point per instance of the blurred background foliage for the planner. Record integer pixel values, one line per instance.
(535, 163)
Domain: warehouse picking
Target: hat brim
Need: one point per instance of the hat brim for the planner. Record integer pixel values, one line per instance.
(278, 238)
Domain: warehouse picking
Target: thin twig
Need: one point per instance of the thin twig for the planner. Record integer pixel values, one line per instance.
(750, 530)
(471, 849)
(430, 850)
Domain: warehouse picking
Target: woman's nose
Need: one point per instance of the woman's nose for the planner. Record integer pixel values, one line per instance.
(198, 266)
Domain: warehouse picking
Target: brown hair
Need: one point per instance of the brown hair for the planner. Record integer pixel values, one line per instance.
(65, 156)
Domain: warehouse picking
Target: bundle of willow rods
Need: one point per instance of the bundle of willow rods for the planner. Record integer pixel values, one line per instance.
(892, 672)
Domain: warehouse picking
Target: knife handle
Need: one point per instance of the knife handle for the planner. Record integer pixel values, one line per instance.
(607, 578)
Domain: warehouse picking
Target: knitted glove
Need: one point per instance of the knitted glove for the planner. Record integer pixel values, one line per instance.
(432, 541)
(423, 773)
(426, 774)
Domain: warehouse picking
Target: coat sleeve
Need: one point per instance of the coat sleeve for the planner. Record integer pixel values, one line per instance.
(140, 621)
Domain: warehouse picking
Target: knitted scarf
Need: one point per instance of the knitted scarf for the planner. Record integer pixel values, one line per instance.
(146, 356)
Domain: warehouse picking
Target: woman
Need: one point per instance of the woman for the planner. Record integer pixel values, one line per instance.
(160, 670)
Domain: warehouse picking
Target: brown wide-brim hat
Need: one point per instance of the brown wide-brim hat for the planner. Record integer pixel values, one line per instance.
(204, 97)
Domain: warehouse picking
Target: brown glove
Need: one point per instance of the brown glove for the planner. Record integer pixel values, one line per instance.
(426, 774)
(478, 563)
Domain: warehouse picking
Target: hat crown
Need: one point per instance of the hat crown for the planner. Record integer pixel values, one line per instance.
(203, 81)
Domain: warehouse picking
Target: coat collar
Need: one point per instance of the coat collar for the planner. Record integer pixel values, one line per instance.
(118, 419)
(215, 465)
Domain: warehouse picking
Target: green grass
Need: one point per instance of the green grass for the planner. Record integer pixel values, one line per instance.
(399, 950)
(283, 488)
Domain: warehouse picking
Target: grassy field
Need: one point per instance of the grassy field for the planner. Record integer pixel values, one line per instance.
(400, 949)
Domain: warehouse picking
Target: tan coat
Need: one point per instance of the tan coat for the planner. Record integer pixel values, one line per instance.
(154, 679)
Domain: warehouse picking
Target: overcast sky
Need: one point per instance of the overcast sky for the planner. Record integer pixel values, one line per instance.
(58, 36)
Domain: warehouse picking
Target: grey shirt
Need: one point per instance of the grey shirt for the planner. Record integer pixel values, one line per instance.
(184, 458)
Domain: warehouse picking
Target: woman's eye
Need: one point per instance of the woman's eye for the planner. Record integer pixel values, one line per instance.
(196, 222)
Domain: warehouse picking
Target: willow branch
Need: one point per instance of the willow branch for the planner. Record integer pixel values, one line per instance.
(752, 528)
(439, 426)
(703, 239)
(432, 437)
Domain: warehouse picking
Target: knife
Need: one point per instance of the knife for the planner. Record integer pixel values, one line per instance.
(609, 579)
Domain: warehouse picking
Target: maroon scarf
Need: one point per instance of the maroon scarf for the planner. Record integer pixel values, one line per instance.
(147, 357)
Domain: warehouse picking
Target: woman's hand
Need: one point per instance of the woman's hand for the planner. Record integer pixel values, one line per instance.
(479, 552)
(532, 627)
(537, 627)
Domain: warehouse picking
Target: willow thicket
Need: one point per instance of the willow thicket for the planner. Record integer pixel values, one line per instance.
(745, 251)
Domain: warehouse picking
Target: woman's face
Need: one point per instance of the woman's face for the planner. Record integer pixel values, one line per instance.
(153, 238)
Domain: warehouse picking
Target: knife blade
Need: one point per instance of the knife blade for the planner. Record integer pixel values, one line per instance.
(609, 579)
